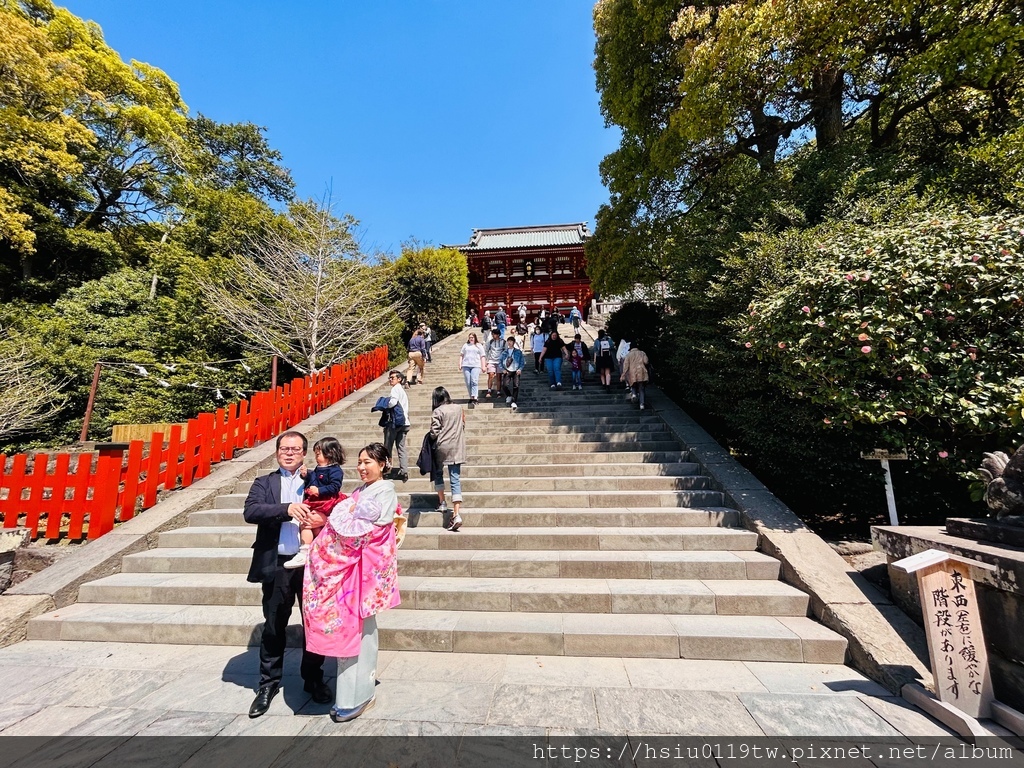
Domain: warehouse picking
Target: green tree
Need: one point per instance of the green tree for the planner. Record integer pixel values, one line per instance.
(435, 285)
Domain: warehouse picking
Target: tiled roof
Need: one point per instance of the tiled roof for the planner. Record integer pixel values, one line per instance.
(526, 237)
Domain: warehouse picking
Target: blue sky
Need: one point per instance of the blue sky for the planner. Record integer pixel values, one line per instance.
(426, 118)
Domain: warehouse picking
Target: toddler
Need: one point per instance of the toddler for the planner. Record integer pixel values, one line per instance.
(576, 361)
(323, 485)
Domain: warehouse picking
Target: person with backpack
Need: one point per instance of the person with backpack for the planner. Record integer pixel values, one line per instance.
(486, 323)
(604, 356)
(575, 317)
(501, 320)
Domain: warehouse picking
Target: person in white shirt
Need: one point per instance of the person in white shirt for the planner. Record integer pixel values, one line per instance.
(398, 436)
(470, 362)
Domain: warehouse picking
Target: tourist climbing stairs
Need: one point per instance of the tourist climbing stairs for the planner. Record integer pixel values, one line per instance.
(588, 531)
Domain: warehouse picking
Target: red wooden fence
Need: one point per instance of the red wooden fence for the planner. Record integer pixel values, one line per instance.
(103, 489)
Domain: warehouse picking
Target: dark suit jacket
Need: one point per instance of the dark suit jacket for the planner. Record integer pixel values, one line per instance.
(263, 507)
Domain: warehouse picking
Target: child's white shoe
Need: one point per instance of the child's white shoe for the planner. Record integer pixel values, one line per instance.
(299, 561)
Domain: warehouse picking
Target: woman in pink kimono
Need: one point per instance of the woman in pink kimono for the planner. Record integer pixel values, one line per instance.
(352, 575)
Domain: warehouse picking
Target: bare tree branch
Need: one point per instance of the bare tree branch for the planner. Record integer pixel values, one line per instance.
(306, 293)
(28, 398)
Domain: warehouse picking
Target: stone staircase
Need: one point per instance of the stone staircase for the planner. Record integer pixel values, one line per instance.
(588, 532)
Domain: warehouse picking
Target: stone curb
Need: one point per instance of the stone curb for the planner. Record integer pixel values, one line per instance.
(57, 586)
(884, 643)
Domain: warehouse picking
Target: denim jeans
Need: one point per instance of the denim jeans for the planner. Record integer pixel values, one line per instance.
(454, 471)
(472, 377)
(577, 377)
(554, 366)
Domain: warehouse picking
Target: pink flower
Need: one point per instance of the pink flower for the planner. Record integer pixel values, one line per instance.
(748, 345)
(975, 257)
(863, 337)
(865, 349)
(950, 318)
(848, 277)
(928, 312)
(925, 349)
(827, 421)
(947, 286)
(943, 454)
(899, 378)
(821, 323)
(805, 309)
(782, 345)
(867, 276)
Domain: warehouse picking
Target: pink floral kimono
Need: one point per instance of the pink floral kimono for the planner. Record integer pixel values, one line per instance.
(351, 574)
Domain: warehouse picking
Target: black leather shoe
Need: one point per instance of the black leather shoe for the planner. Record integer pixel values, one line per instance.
(321, 692)
(261, 703)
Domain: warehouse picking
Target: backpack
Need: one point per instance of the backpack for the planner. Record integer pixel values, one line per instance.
(605, 346)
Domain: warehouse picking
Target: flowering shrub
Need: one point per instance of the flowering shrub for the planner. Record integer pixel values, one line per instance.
(916, 326)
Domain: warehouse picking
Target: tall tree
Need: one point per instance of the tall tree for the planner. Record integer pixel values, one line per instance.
(306, 293)
(434, 283)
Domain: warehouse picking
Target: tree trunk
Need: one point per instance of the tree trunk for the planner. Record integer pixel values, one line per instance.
(827, 107)
(767, 134)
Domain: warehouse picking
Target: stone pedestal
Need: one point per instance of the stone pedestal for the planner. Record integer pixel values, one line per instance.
(1000, 595)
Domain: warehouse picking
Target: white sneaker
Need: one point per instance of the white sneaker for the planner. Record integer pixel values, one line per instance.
(552, 386)
(642, 407)
(508, 400)
(299, 561)
(515, 407)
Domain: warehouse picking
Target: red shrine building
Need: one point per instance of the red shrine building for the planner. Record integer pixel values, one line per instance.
(541, 267)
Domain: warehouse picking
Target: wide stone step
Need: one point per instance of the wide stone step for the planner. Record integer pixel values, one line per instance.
(741, 638)
(525, 538)
(484, 427)
(636, 469)
(427, 499)
(630, 564)
(554, 482)
(533, 595)
(620, 517)
(615, 455)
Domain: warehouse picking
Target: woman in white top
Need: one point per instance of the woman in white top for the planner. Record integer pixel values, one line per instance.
(399, 435)
(537, 345)
(470, 361)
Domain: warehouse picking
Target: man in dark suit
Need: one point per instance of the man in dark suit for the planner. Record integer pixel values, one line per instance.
(274, 505)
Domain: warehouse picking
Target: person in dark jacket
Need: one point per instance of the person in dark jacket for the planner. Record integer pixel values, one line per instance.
(274, 505)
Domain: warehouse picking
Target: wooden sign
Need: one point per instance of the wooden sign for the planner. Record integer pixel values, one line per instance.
(880, 454)
(953, 627)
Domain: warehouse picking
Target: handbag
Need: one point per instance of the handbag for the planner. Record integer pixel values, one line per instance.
(591, 368)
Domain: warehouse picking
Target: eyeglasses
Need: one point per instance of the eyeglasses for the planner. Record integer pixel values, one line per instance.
(291, 450)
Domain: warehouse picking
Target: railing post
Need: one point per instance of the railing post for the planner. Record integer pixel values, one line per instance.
(92, 401)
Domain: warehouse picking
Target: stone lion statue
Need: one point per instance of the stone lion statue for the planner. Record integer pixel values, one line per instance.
(1004, 477)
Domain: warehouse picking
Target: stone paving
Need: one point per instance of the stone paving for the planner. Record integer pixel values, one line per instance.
(54, 688)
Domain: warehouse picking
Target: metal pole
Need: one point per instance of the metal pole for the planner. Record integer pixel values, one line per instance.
(890, 498)
(92, 401)
(273, 373)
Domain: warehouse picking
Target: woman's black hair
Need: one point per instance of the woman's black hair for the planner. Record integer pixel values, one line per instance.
(439, 398)
(330, 448)
(378, 453)
(600, 333)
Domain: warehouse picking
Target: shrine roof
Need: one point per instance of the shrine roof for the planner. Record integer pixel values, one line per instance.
(526, 237)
